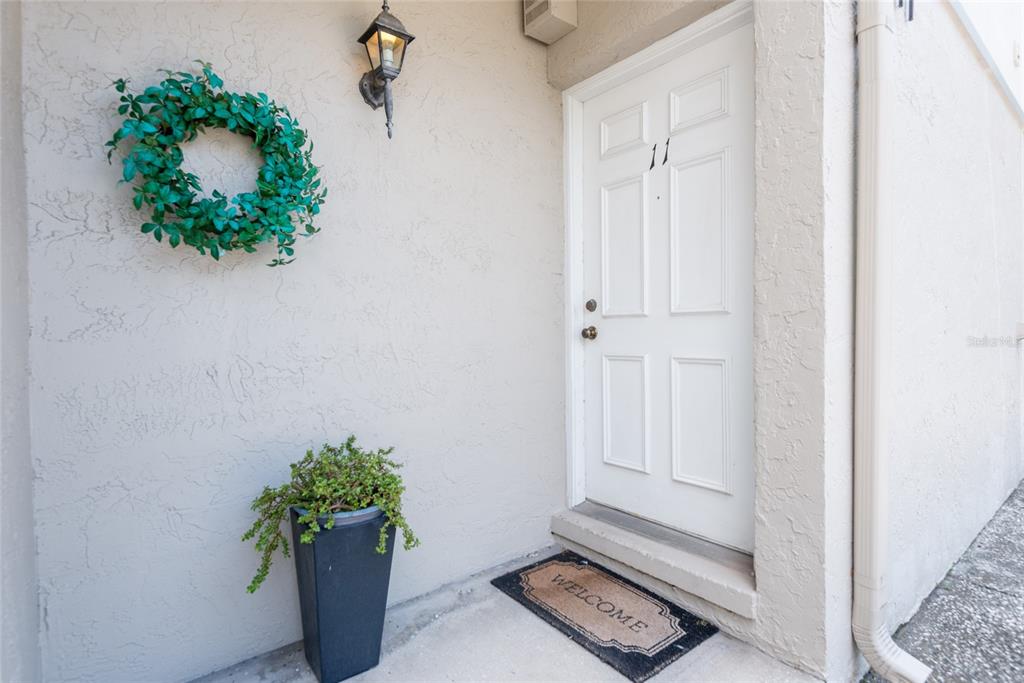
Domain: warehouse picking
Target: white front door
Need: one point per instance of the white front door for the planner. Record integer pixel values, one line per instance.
(667, 222)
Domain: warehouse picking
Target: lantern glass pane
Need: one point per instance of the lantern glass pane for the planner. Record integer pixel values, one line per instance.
(392, 50)
(373, 50)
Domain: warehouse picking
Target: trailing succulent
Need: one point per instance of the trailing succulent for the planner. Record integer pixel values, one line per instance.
(337, 479)
(288, 193)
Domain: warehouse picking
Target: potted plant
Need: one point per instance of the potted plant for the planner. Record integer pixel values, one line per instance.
(344, 504)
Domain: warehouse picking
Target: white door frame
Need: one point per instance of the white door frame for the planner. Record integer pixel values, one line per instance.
(701, 32)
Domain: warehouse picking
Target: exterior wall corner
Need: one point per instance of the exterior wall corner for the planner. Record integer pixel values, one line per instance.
(19, 633)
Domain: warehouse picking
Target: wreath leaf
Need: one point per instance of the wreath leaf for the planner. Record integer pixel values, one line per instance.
(288, 191)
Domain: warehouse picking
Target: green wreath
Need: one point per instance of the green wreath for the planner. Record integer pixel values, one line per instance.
(288, 192)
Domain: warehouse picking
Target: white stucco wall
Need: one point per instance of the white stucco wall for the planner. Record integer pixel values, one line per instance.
(839, 113)
(803, 293)
(1000, 26)
(167, 388)
(959, 226)
(19, 612)
(610, 30)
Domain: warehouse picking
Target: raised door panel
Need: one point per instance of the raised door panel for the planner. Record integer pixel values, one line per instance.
(699, 243)
(700, 100)
(625, 130)
(625, 402)
(624, 247)
(700, 423)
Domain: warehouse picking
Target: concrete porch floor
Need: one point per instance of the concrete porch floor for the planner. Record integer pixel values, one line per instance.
(470, 631)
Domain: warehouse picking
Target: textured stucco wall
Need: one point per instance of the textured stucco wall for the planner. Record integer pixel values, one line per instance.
(19, 611)
(1000, 25)
(839, 114)
(958, 229)
(167, 388)
(611, 30)
(793, 539)
(804, 172)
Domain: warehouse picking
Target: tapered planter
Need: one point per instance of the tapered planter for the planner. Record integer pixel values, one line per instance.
(343, 592)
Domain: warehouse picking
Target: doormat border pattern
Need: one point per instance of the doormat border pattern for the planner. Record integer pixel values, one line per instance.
(634, 665)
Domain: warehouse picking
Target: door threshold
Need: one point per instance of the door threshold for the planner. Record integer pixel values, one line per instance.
(675, 538)
(722, 576)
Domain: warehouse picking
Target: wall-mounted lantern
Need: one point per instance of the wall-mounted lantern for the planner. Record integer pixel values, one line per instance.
(386, 41)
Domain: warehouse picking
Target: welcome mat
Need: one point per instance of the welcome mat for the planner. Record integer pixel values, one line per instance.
(635, 632)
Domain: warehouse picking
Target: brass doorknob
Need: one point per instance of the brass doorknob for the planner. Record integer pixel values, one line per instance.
(589, 332)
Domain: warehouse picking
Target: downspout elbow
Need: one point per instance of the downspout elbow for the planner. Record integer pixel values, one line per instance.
(886, 657)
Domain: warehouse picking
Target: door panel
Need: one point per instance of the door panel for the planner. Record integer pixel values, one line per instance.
(624, 247)
(668, 254)
(698, 262)
(626, 130)
(700, 423)
(700, 100)
(625, 403)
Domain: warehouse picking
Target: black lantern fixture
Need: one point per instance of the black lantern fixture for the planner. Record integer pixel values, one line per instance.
(386, 41)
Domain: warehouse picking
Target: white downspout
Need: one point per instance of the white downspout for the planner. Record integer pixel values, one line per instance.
(874, 262)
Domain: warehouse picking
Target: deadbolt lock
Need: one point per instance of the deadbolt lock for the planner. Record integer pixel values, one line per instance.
(589, 332)
(591, 305)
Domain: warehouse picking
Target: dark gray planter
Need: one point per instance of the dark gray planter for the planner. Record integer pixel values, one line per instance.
(343, 592)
